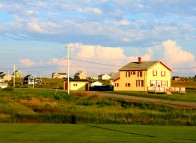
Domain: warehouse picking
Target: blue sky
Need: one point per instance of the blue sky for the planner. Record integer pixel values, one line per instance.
(33, 34)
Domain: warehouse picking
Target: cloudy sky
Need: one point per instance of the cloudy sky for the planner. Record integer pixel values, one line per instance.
(103, 35)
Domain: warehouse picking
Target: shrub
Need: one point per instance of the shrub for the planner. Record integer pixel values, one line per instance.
(102, 103)
(8, 89)
(111, 102)
(67, 97)
(86, 102)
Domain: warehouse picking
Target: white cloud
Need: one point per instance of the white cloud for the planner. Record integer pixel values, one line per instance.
(44, 27)
(35, 27)
(1, 6)
(31, 12)
(57, 61)
(145, 57)
(98, 52)
(84, 57)
(92, 10)
(27, 62)
(126, 39)
(175, 55)
(82, 1)
(123, 22)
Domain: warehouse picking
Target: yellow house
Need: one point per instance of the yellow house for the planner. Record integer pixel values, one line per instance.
(143, 75)
(77, 85)
(80, 75)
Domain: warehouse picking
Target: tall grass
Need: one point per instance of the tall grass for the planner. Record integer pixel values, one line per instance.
(47, 106)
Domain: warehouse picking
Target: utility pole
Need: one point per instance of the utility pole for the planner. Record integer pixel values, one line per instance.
(14, 76)
(68, 69)
(33, 82)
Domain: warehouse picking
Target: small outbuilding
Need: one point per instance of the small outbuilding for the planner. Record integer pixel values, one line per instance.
(77, 85)
(96, 83)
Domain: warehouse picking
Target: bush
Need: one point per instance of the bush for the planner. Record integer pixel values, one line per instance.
(8, 89)
(102, 103)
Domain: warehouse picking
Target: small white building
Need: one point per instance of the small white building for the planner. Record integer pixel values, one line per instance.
(96, 83)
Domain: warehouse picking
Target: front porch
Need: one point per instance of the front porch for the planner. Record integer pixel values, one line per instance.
(166, 90)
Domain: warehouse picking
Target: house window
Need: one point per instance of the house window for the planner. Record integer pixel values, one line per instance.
(153, 83)
(132, 72)
(154, 73)
(139, 83)
(139, 73)
(75, 84)
(163, 73)
(127, 73)
(116, 84)
(164, 83)
(127, 84)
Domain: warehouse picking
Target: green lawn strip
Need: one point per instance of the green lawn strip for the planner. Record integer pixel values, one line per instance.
(95, 133)
(174, 97)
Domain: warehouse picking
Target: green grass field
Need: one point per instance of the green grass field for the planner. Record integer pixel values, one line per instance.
(68, 133)
(50, 106)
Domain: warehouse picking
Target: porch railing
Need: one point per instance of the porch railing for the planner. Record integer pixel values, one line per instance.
(166, 89)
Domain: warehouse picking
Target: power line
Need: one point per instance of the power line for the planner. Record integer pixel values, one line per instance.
(95, 62)
(185, 68)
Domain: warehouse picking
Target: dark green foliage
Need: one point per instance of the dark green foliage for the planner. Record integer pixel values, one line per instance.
(85, 102)
(8, 89)
(102, 103)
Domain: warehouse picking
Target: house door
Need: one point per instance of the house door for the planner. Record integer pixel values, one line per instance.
(158, 83)
(66, 86)
(86, 87)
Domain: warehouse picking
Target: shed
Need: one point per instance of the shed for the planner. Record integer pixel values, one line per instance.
(96, 83)
(77, 85)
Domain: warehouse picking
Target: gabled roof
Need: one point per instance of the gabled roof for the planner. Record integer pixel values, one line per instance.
(103, 75)
(144, 65)
(62, 73)
(2, 74)
(115, 75)
(59, 73)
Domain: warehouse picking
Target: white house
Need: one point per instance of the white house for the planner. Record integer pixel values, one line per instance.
(80, 75)
(59, 75)
(31, 79)
(5, 77)
(104, 77)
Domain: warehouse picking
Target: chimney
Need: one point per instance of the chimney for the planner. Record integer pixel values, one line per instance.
(139, 60)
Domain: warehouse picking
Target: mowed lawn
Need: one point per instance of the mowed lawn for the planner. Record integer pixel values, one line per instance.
(94, 133)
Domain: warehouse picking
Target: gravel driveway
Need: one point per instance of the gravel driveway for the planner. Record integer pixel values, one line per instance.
(150, 100)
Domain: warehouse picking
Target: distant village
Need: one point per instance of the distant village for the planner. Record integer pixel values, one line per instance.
(151, 76)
